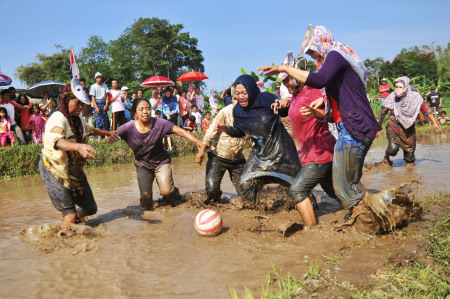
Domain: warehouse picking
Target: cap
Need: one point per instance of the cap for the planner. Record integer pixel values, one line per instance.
(98, 74)
(384, 79)
(433, 87)
(124, 88)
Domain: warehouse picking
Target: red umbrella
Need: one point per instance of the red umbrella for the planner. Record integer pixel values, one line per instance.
(193, 76)
(157, 81)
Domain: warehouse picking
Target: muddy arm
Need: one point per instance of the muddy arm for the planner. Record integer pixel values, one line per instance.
(382, 115)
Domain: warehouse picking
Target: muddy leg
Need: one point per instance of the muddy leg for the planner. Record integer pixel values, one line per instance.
(145, 179)
(306, 210)
(214, 174)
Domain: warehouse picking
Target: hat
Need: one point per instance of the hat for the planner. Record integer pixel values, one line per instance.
(384, 79)
(98, 74)
(433, 87)
(124, 88)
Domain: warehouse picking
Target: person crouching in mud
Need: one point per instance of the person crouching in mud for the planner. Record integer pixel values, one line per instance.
(400, 127)
(225, 154)
(315, 143)
(273, 158)
(145, 137)
(64, 155)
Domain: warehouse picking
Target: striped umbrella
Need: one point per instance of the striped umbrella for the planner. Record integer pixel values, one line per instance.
(157, 81)
(4, 80)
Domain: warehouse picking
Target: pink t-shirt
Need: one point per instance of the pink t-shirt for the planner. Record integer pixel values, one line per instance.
(312, 136)
(184, 106)
(117, 105)
(4, 125)
(39, 122)
(384, 94)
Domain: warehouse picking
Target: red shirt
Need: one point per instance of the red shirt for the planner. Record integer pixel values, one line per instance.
(384, 94)
(313, 136)
(205, 124)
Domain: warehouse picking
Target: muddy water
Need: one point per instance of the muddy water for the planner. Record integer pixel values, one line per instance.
(159, 254)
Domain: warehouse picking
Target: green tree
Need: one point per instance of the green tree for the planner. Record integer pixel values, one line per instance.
(94, 58)
(49, 67)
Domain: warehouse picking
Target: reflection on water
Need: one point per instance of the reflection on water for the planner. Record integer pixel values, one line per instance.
(159, 253)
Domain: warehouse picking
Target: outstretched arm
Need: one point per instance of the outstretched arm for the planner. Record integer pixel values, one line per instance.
(296, 73)
(183, 133)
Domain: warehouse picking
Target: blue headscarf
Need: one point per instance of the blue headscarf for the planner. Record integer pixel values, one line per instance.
(258, 104)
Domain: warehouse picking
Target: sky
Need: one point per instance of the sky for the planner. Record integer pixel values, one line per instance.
(231, 34)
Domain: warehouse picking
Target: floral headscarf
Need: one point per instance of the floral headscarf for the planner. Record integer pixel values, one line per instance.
(407, 107)
(74, 121)
(323, 42)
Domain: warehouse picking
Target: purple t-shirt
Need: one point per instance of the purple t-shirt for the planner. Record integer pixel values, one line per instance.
(148, 147)
(343, 84)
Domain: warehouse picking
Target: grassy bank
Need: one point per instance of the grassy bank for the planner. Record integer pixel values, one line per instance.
(427, 275)
(23, 160)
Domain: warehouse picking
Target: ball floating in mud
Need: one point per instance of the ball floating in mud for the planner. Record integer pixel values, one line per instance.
(208, 223)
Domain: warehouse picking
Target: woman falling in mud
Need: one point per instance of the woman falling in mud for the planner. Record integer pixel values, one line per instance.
(343, 77)
(315, 143)
(400, 127)
(64, 154)
(273, 158)
(145, 137)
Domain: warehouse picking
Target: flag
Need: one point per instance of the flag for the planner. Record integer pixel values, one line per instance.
(73, 65)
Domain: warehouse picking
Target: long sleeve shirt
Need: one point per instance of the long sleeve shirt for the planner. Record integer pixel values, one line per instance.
(344, 85)
(222, 144)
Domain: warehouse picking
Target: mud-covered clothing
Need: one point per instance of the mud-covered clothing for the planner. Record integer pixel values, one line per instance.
(63, 199)
(400, 137)
(344, 85)
(220, 143)
(65, 166)
(348, 162)
(308, 177)
(273, 157)
(148, 147)
(164, 179)
(215, 170)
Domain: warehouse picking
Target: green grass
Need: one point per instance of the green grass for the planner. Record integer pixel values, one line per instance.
(425, 279)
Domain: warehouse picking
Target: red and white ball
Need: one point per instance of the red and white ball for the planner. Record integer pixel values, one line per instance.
(208, 223)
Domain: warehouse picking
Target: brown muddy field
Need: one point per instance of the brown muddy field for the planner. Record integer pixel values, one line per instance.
(124, 253)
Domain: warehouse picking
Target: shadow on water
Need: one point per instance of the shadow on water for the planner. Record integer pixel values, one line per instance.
(132, 212)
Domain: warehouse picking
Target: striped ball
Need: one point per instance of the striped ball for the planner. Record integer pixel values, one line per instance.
(208, 223)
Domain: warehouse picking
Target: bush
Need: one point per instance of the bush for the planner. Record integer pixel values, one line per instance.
(24, 160)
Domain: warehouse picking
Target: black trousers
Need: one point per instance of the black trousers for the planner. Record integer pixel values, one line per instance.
(118, 119)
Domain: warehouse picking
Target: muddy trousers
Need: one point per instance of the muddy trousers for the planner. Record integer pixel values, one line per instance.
(348, 162)
(215, 170)
(64, 200)
(164, 179)
(251, 188)
(399, 137)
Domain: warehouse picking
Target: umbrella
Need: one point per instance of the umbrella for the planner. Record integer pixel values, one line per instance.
(52, 87)
(157, 81)
(193, 76)
(4, 80)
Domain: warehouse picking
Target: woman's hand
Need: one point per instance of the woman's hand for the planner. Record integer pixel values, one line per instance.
(105, 108)
(310, 112)
(317, 103)
(379, 133)
(271, 70)
(437, 128)
(220, 127)
(199, 158)
(86, 151)
(97, 110)
(112, 138)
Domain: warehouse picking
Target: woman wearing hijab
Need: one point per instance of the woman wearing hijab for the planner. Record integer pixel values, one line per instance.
(400, 127)
(170, 107)
(213, 102)
(156, 102)
(343, 78)
(273, 158)
(64, 155)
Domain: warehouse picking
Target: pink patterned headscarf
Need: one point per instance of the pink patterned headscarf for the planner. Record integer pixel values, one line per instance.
(407, 107)
(323, 42)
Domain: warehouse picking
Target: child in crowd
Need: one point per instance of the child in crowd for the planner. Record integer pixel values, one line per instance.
(37, 121)
(443, 119)
(5, 128)
(421, 120)
(198, 118)
(189, 124)
(25, 114)
(206, 121)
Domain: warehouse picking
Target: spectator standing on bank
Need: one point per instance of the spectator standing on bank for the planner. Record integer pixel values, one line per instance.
(385, 90)
(9, 106)
(198, 118)
(199, 100)
(434, 99)
(126, 103)
(117, 106)
(25, 114)
(98, 93)
(46, 104)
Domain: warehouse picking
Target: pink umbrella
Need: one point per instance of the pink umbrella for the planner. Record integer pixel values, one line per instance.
(260, 83)
(4, 80)
(193, 76)
(157, 81)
